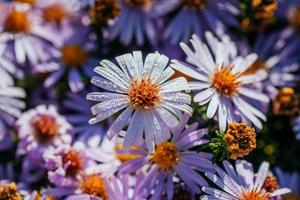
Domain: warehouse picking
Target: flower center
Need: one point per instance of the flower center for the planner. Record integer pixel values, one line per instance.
(257, 14)
(255, 67)
(166, 155)
(38, 196)
(94, 185)
(225, 82)
(9, 192)
(291, 196)
(270, 184)
(240, 139)
(285, 101)
(54, 13)
(194, 4)
(30, 2)
(105, 10)
(123, 157)
(73, 55)
(45, 127)
(139, 3)
(294, 17)
(73, 160)
(253, 195)
(17, 22)
(144, 94)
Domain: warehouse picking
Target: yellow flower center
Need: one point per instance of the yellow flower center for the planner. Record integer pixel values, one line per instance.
(74, 160)
(94, 185)
(105, 10)
(253, 195)
(166, 156)
(30, 2)
(255, 67)
(73, 55)
(285, 102)
(225, 82)
(270, 184)
(55, 13)
(291, 196)
(46, 128)
(139, 3)
(123, 157)
(39, 197)
(17, 22)
(144, 94)
(194, 4)
(9, 192)
(257, 14)
(294, 18)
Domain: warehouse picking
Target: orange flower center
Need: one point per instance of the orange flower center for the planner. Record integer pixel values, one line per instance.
(73, 159)
(166, 155)
(17, 22)
(139, 3)
(270, 184)
(46, 128)
(240, 139)
(194, 4)
(94, 185)
(30, 2)
(255, 67)
(38, 196)
(10, 192)
(54, 13)
(253, 195)
(73, 55)
(294, 18)
(144, 94)
(286, 102)
(105, 10)
(123, 157)
(225, 82)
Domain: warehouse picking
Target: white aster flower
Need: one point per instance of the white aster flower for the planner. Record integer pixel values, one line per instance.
(149, 103)
(220, 80)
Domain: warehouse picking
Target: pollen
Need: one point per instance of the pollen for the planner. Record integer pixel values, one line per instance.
(166, 156)
(124, 157)
(9, 192)
(194, 4)
(139, 3)
(46, 128)
(73, 56)
(144, 94)
(225, 82)
(255, 67)
(104, 10)
(94, 185)
(240, 139)
(55, 13)
(30, 2)
(253, 195)
(270, 184)
(294, 18)
(285, 102)
(17, 22)
(73, 160)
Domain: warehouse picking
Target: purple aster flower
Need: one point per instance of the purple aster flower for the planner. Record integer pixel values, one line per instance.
(278, 58)
(22, 33)
(66, 163)
(219, 77)
(134, 22)
(242, 183)
(41, 129)
(7, 171)
(151, 102)
(297, 127)
(71, 58)
(194, 17)
(289, 180)
(40, 96)
(172, 161)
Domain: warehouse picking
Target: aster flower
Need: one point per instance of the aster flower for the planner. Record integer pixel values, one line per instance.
(22, 33)
(218, 77)
(242, 183)
(66, 163)
(297, 127)
(151, 102)
(172, 160)
(285, 102)
(289, 180)
(40, 129)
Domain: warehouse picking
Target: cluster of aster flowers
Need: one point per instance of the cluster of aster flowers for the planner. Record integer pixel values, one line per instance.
(149, 99)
